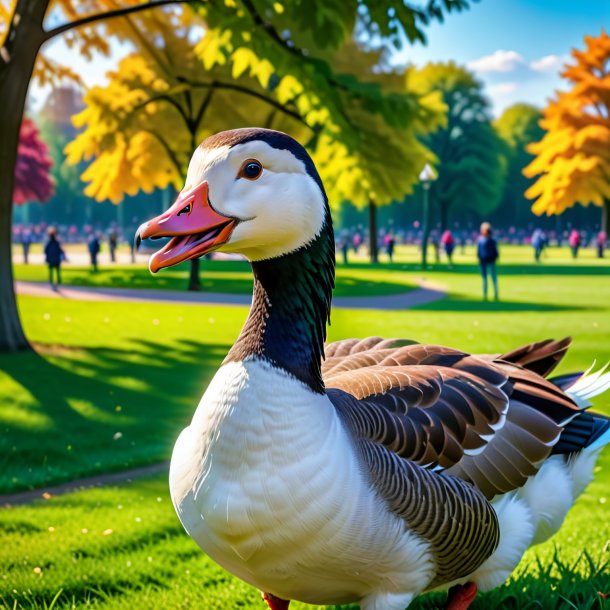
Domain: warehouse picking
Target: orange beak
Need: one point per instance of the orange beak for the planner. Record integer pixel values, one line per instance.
(195, 229)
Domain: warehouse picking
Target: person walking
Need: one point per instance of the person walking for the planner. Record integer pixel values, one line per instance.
(93, 246)
(54, 256)
(344, 245)
(487, 253)
(448, 245)
(537, 244)
(356, 241)
(26, 241)
(112, 244)
(574, 241)
(390, 243)
(601, 243)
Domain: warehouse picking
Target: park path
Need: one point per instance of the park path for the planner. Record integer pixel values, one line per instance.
(100, 480)
(426, 292)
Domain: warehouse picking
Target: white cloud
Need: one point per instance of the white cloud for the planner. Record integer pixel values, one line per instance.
(501, 89)
(548, 63)
(500, 61)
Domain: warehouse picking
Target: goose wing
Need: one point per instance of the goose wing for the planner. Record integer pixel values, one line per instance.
(487, 420)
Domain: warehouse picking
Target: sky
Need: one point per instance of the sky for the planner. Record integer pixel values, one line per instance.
(515, 47)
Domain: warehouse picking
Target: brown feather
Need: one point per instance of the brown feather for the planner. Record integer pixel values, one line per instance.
(489, 421)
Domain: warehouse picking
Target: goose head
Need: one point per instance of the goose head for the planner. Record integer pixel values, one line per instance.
(254, 192)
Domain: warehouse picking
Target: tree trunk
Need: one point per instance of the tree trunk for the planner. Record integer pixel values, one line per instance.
(606, 218)
(17, 59)
(373, 232)
(194, 283)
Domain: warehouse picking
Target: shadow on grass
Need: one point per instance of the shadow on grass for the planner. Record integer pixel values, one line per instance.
(233, 277)
(457, 303)
(81, 412)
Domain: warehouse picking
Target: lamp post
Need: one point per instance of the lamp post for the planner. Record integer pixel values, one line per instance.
(426, 177)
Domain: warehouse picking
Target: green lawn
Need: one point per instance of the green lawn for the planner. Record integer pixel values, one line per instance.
(113, 384)
(123, 548)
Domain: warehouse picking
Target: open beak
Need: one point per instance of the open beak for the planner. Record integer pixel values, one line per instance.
(195, 229)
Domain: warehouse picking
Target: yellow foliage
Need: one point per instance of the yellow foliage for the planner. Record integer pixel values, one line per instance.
(573, 158)
(244, 59)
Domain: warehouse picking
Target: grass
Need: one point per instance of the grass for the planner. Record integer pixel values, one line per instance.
(122, 547)
(139, 369)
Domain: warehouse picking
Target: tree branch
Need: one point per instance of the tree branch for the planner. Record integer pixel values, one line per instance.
(169, 151)
(203, 108)
(119, 12)
(241, 89)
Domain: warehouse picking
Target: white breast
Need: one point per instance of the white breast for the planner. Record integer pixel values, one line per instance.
(266, 481)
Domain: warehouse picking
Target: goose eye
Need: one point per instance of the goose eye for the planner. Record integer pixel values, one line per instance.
(185, 210)
(251, 170)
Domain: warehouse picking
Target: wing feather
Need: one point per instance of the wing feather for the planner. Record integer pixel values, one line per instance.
(491, 422)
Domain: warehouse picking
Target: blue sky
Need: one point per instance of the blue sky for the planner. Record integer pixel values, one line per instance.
(515, 47)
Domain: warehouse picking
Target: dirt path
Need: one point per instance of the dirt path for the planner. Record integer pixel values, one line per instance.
(425, 293)
(101, 480)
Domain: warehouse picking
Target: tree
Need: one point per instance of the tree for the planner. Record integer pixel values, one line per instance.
(22, 32)
(33, 181)
(518, 127)
(267, 30)
(385, 165)
(469, 153)
(573, 158)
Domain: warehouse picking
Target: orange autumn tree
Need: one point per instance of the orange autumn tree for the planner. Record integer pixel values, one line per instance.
(573, 157)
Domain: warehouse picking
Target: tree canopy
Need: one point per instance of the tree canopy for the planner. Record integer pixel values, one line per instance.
(518, 126)
(573, 158)
(469, 153)
(143, 126)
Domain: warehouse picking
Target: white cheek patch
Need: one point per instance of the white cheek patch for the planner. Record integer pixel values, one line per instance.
(280, 212)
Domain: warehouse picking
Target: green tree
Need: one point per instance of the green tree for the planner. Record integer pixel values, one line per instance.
(283, 34)
(470, 155)
(518, 126)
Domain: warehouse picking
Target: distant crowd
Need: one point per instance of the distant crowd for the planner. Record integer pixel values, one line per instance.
(444, 242)
(348, 241)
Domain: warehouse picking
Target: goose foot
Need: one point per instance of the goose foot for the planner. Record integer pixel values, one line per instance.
(461, 596)
(276, 603)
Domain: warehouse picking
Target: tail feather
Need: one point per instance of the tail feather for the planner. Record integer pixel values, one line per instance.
(586, 431)
(541, 357)
(589, 385)
(601, 434)
(563, 382)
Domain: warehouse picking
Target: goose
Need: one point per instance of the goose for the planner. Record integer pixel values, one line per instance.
(368, 470)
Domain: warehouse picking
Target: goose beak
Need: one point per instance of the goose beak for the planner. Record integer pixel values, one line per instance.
(194, 226)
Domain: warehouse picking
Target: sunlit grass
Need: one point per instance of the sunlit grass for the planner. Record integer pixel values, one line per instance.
(123, 548)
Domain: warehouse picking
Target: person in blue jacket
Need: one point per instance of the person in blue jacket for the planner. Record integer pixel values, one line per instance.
(487, 253)
(54, 255)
